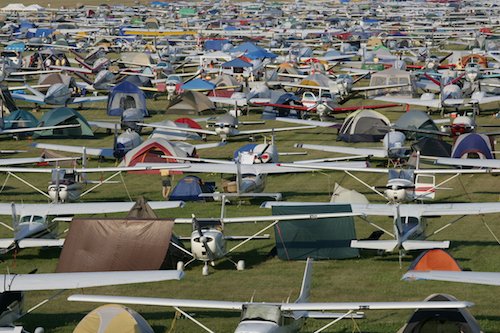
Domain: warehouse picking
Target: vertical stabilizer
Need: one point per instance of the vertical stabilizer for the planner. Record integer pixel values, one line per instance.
(306, 283)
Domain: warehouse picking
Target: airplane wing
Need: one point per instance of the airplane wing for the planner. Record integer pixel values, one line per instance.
(187, 303)
(223, 305)
(104, 152)
(5, 243)
(105, 124)
(29, 98)
(270, 130)
(181, 129)
(88, 99)
(72, 69)
(387, 86)
(34, 129)
(478, 163)
(488, 278)
(26, 160)
(376, 152)
(433, 103)
(82, 208)
(143, 167)
(427, 210)
(373, 306)
(316, 123)
(264, 168)
(54, 281)
(485, 100)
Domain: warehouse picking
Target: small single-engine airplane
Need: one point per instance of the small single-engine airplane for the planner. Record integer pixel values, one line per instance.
(15, 285)
(32, 226)
(67, 183)
(275, 317)
(409, 222)
(208, 241)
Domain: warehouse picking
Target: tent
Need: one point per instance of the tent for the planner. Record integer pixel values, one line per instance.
(64, 116)
(191, 102)
(435, 259)
(416, 120)
(7, 100)
(441, 320)
(152, 151)
(225, 80)
(346, 196)
(189, 188)
(113, 318)
(215, 44)
(432, 147)
(54, 78)
(472, 145)
(126, 96)
(98, 245)
(319, 239)
(198, 84)
(363, 126)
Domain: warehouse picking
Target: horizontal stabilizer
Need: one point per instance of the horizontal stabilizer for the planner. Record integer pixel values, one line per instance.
(39, 242)
(6, 243)
(386, 245)
(424, 245)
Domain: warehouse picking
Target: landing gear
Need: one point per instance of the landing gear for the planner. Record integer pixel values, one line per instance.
(204, 270)
(240, 266)
(180, 266)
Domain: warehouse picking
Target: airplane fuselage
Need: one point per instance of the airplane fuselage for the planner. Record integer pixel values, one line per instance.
(214, 240)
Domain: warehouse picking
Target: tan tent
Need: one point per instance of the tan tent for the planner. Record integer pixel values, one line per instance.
(391, 76)
(191, 102)
(95, 245)
(113, 318)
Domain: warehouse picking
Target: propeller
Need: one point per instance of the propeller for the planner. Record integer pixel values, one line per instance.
(203, 238)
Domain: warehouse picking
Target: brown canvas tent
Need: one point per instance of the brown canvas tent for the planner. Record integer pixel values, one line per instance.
(113, 318)
(94, 245)
(191, 102)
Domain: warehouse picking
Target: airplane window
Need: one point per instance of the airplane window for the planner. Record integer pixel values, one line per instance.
(261, 312)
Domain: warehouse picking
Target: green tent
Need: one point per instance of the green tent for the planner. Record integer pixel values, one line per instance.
(318, 239)
(64, 116)
(187, 11)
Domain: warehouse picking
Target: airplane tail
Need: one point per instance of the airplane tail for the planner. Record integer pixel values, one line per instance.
(424, 245)
(305, 290)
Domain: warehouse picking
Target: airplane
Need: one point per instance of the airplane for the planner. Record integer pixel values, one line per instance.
(227, 126)
(33, 228)
(263, 317)
(208, 241)
(450, 96)
(251, 169)
(66, 183)
(14, 287)
(409, 222)
(484, 164)
(57, 94)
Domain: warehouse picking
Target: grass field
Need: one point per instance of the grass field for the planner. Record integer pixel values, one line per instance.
(369, 278)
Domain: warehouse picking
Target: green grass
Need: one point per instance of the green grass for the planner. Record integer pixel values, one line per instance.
(369, 278)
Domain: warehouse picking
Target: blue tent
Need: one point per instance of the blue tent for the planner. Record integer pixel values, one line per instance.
(246, 47)
(198, 84)
(260, 54)
(189, 188)
(236, 63)
(472, 143)
(16, 47)
(126, 96)
(19, 119)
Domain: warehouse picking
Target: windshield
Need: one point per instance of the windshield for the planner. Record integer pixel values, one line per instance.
(270, 313)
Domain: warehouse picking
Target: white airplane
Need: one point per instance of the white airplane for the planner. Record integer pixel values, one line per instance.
(66, 184)
(57, 94)
(208, 241)
(277, 317)
(409, 222)
(251, 169)
(32, 226)
(227, 126)
(14, 286)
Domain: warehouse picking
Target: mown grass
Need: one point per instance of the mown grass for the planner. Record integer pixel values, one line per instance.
(368, 278)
